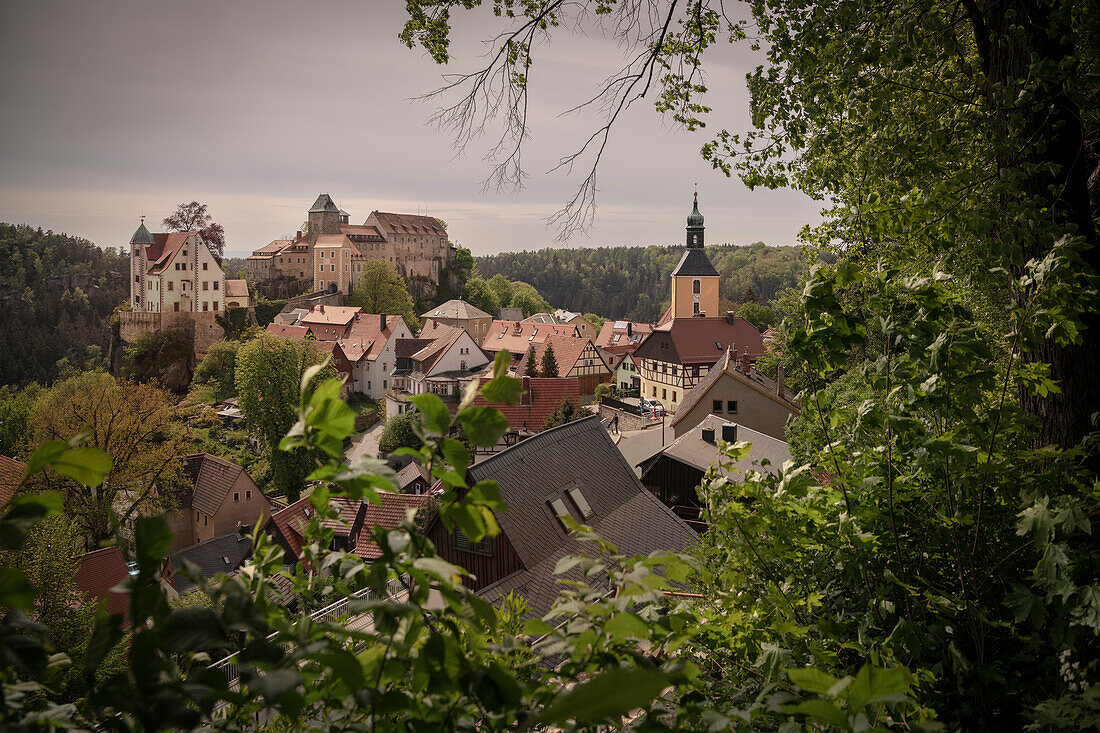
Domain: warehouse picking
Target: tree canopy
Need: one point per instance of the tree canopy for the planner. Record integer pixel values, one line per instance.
(382, 290)
(193, 217)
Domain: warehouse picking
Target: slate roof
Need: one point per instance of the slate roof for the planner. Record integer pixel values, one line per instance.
(694, 263)
(211, 556)
(567, 350)
(210, 478)
(324, 202)
(429, 355)
(410, 473)
(11, 476)
(100, 571)
(729, 365)
(236, 288)
(409, 224)
(578, 455)
(142, 235)
(540, 398)
(692, 450)
(457, 309)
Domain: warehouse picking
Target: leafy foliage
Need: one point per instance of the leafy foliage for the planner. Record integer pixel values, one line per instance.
(266, 310)
(382, 290)
(193, 217)
(58, 293)
(167, 357)
(398, 433)
(218, 369)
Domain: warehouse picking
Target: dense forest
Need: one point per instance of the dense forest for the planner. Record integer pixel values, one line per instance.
(633, 282)
(58, 293)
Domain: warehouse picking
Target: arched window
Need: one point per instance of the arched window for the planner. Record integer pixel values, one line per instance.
(696, 286)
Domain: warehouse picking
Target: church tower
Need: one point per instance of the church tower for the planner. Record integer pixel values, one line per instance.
(694, 280)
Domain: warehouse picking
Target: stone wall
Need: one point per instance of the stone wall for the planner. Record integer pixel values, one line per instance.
(627, 421)
(202, 326)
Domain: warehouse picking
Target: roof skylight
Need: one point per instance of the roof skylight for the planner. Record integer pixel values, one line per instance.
(580, 502)
(560, 510)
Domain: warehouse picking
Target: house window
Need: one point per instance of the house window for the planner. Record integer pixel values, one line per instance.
(196, 516)
(654, 391)
(385, 382)
(673, 395)
(205, 304)
(236, 496)
(731, 406)
(695, 307)
(215, 284)
(176, 306)
(205, 521)
(176, 266)
(462, 542)
(717, 407)
(204, 265)
(664, 394)
(462, 365)
(696, 286)
(205, 284)
(248, 494)
(368, 384)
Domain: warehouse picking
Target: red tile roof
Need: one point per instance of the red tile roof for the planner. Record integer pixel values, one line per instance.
(703, 340)
(100, 571)
(11, 476)
(359, 230)
(541, 396)
(291, 522)
(409, 224)
(567, 350)
(388, 516)
(288, 332)
(275, 247)
(624, 344)
(330, 315)
(164, 248)
(365, 337)
(236, 288)
(517, 337)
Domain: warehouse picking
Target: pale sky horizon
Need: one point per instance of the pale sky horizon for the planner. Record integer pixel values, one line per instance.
(121, 107)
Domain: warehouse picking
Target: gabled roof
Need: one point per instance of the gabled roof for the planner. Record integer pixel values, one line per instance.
(694, 263)
(456, 309)
(289, 332)
(732, 368)
(613, 335)
(690, 449)
(330, 315)
(387, 516)
(578, 455)
(211, 479)
(540, 398)
(540, 318)
(408, 224)
(99, 571)
(324, 202)
(365, 338)
(11, 476)
(164, 248)
(517, 337)
(218, 555)
(292, 520)
(334, 241)
(429, 355)
(410, 473)
(236, 288)
(704, 340)
(275, 247)
(360, 230)
(567, 350)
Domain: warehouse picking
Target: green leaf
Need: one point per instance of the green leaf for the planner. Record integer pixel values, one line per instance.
(484, 425)
(626, 624)
(45, 455)
(502, 388)
(438, 567)
(23, 512)
(537, 627)
(85, 465)
(345, 666)
(433, 412)
(875, 684)
(15, 590)
(822, 710)
(606, 697)
(152, 538)
(812, 680)
(455, 453)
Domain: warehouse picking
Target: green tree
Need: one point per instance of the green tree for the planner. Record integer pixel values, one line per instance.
(531, 365)
(131, 421)
(218, 369)
(526, 298)
(268, 373)
(16, 406)
(167, 357)
(477, 293)
(564, 413)
(596, 321)
(398, 433)
(502, 288)
(758, 315)
(382, 290)
(549, 362)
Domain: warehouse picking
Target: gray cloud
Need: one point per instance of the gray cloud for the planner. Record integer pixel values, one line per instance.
(118, 107)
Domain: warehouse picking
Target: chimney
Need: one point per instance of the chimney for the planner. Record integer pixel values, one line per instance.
(382, 319)
(729, 317)
(729, 433)
(629, 328)
(746, 362)
(708, 435)
(298, 236)
(525, 398)
(780, 382)
(321, 308)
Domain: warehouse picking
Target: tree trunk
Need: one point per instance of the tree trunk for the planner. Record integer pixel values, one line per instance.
(1050, 132)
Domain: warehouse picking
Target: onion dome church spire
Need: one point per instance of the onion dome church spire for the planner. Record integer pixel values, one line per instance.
(142, 235)
(694, 279)
(695, 226)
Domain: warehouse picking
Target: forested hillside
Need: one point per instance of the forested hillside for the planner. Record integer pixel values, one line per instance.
(633, 282)
(57, 294)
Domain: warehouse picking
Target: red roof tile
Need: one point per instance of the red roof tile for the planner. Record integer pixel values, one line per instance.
(541, 396)
(164, 248)
(516, 337)
(409, 224)
(388, 516)
(236, 288)
(100, 571)
(624, 343)
(11, 476)
(567, 349)
(330, 315)
(704, 340)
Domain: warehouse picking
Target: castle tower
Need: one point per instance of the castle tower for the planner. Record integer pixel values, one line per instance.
(324, 218)
(138, 265)
(694, 280)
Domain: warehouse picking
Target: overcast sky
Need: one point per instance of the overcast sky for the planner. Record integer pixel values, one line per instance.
(113, 108)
